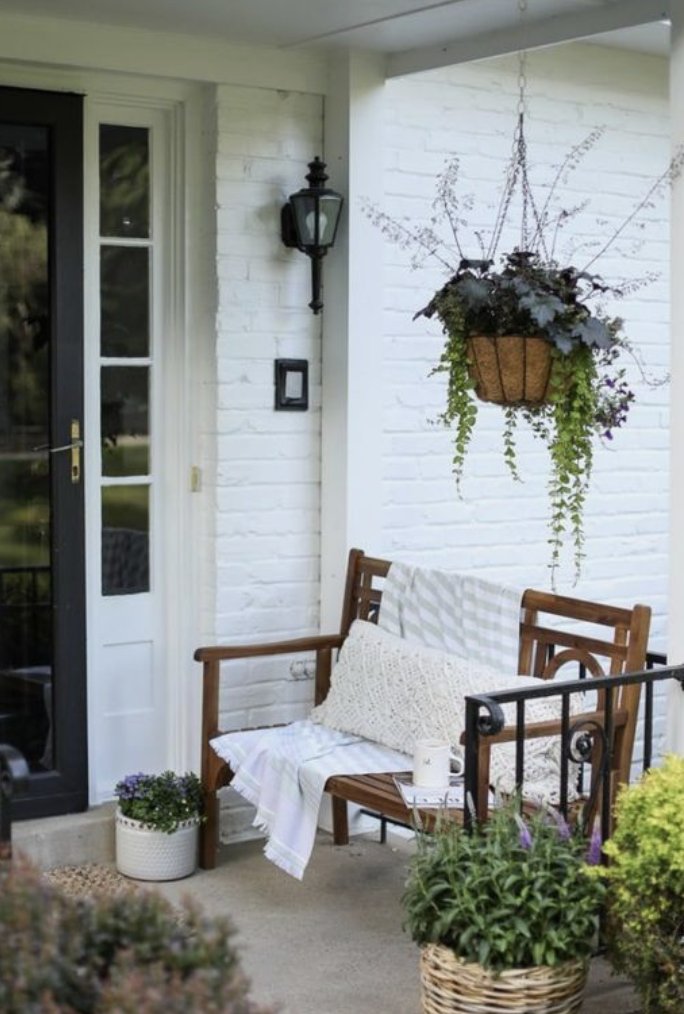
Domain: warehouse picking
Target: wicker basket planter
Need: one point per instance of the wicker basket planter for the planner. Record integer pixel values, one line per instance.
(452, 986)
(146, 854)
(511, 369)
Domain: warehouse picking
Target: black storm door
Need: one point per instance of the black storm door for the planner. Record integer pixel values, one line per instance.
(42, 557)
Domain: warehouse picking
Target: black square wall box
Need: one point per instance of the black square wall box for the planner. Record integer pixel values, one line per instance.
(291, 385)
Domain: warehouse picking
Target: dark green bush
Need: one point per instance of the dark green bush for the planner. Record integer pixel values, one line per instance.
(129, 954)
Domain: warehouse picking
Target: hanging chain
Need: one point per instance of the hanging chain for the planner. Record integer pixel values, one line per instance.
(518, 173)
(522, 63)
(520, 144)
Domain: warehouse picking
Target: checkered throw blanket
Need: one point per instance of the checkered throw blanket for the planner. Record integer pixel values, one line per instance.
(459, 614)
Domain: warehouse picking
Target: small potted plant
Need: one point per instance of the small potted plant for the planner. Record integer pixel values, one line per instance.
(157, 825)
(505, 915)
(645, 879)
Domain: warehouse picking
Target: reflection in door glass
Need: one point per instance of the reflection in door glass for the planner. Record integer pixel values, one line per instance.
(124, 301)
(125, 420)
(124, 181)
(125, 540)
(25, 557)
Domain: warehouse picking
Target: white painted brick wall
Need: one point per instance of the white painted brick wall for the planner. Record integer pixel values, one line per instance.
(264, 552)
(499, 528)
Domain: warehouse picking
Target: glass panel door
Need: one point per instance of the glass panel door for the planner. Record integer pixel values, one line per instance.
(25, 551)
(42, 673)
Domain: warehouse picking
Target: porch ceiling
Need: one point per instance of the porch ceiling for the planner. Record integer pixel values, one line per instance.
(413, 33)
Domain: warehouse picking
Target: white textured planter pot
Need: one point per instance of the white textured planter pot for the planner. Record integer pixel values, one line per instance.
(146, 854)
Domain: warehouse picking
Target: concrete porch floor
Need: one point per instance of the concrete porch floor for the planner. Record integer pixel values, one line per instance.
(333, 944)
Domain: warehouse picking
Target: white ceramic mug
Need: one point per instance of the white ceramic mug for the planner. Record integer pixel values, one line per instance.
(432, 760)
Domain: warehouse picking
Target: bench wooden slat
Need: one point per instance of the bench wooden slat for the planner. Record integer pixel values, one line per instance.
(564, 639)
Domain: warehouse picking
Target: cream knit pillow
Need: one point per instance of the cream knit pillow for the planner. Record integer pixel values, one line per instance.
(394, 692)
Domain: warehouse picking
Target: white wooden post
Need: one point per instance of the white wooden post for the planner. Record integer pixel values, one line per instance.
(676, 623)
(352, 327)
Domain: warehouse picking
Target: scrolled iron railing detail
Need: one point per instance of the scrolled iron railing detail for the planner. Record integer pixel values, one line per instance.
(586, 740)
(588, 743)
(494, 720)
(14, 778)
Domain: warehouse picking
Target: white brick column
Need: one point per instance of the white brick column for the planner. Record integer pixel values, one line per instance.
(676, 621)
(352, 330)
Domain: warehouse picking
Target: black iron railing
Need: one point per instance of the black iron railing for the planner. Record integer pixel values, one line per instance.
(588, 740)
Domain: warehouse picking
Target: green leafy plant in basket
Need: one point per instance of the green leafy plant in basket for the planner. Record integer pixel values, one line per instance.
(645, 879)
(524, 335)
(506, 895)
(509, 910)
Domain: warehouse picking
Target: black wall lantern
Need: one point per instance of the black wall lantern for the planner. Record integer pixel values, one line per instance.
(309, 222)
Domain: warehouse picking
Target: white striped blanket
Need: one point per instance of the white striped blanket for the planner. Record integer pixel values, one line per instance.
(283, 773)
(457, 613)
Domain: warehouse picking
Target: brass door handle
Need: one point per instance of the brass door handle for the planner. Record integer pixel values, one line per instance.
(75, 448)
(58, 450)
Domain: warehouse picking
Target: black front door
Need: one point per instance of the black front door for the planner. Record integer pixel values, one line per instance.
(42, 572)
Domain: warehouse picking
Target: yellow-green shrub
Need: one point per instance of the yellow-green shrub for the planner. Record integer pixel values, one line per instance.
(646, 887)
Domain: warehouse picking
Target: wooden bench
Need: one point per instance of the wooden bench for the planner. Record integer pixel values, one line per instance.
(619, 646)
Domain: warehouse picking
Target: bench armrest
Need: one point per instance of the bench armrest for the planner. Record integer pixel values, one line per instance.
(211, 659)
(227, 652)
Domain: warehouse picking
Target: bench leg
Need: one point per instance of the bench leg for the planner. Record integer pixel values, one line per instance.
(209, 832)
(340, 821)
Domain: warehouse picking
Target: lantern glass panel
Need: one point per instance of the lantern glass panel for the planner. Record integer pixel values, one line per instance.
(305, 217)
(329, 213)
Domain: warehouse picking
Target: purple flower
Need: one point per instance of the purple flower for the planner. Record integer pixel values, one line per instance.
(594, 850)
(564, 832)
(525, 836)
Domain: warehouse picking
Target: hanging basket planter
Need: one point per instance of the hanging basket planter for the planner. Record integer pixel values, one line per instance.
(511, 369)
(453, 986)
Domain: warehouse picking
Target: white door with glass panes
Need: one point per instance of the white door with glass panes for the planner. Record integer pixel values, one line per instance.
(128, 326)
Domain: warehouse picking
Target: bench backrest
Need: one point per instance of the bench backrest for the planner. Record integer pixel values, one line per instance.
(616, 643)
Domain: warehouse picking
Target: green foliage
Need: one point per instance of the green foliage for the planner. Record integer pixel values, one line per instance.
(161, 802)
(506, 895)
(528, 297)
(573, 424)
(646, 887)
(461, 410)
(124, 955)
